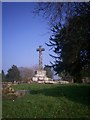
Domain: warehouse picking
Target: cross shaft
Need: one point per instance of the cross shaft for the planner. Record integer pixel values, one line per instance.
(40, 49)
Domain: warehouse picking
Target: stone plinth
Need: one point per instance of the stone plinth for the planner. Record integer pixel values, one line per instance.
(40, 76)
(40, 73)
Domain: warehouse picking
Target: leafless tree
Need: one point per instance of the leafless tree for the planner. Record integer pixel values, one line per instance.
(60, 12)
(27, 72)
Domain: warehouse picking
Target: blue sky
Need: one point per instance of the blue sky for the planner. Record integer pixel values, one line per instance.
(22, 33)
(0, 36)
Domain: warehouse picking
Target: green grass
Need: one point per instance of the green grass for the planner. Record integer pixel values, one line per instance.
(49, 101)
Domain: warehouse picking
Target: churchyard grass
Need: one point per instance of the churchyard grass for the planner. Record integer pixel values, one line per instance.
(49, 101)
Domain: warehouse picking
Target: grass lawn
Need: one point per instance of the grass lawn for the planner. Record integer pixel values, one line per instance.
(49, 101)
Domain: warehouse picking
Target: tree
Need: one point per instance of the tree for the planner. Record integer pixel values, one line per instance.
(27, 73)
(65, 76)
(13, 74)
(0, 77)
(70, 39)
(3, 76)
(49, 71)
(71, 44)
(56, 12)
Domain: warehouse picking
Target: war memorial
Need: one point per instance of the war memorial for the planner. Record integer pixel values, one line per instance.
(40, 74)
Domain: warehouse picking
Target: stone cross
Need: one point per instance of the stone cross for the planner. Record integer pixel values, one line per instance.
(40, 49)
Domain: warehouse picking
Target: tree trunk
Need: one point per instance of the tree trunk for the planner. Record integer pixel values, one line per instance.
(78, 79)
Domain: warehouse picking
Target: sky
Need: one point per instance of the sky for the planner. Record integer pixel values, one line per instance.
(0, 37)
(22, 33)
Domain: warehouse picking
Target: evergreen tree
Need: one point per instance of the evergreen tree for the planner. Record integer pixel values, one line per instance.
(49, 71)
(0, 77)
(70, 39)
(3, 76)
(71, 45)
(13, 74)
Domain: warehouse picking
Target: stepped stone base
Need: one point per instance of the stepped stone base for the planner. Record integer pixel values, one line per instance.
(40, 76)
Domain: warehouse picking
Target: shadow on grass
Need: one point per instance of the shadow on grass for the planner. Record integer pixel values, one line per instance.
(76, 93)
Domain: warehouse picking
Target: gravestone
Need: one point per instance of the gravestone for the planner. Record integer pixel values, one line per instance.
(40, 75)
